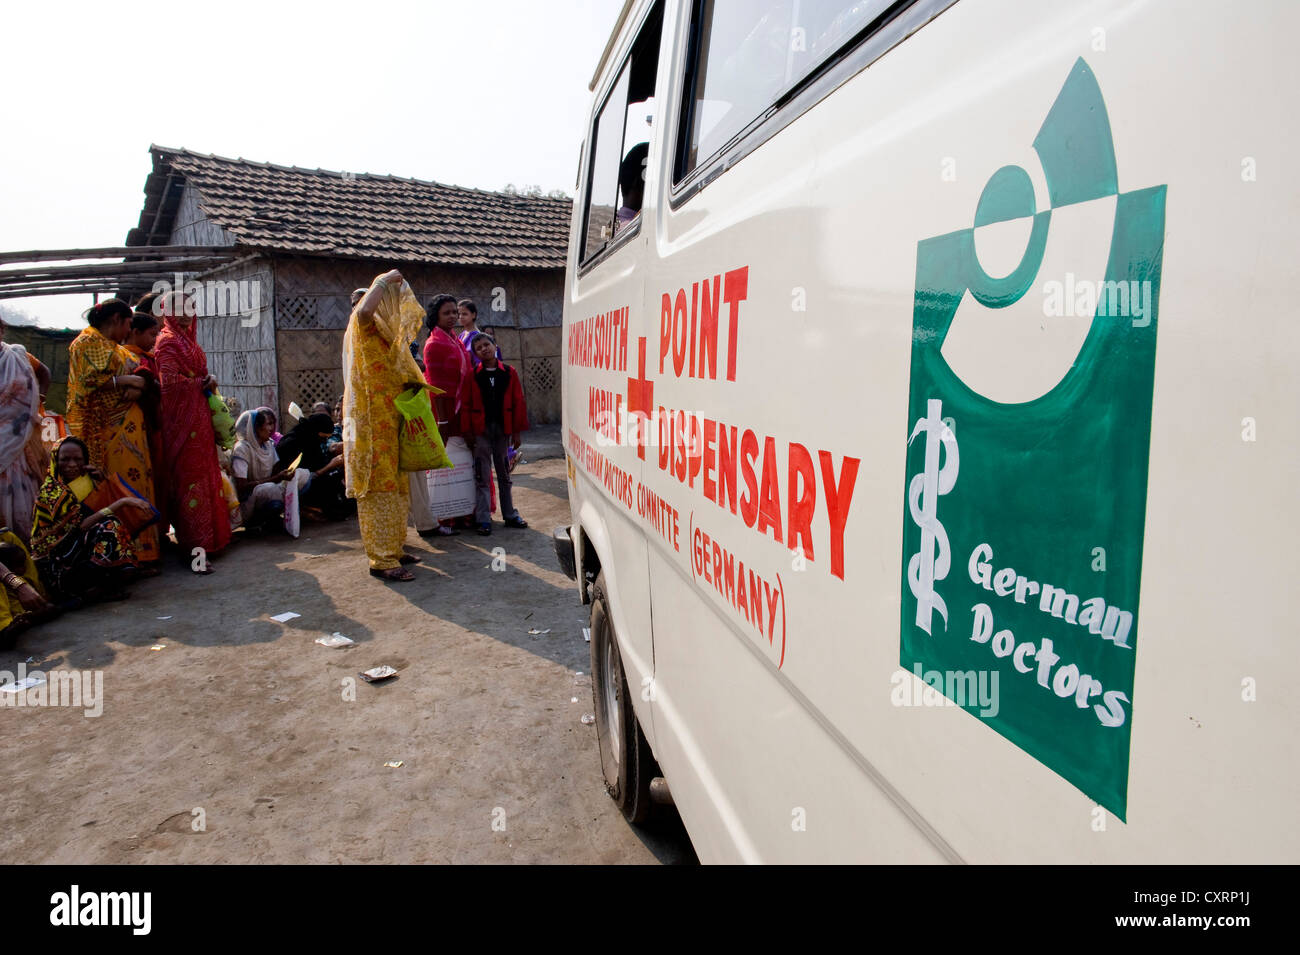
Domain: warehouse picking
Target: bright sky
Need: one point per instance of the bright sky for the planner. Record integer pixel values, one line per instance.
(475, 93)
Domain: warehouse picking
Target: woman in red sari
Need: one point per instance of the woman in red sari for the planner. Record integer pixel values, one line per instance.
(191, 474)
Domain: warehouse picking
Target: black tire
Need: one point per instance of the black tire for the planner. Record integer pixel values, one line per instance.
(626, 761)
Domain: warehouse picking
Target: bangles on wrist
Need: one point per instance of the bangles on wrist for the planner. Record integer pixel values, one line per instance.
(105, 512)
(14, 582)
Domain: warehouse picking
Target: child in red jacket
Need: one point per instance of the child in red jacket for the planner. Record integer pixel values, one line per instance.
(493, 414)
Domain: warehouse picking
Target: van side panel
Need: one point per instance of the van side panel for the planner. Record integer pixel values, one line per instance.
(778, 307)
(814, 713)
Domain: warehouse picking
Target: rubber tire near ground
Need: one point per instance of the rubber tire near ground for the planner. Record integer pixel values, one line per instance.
(626, 761)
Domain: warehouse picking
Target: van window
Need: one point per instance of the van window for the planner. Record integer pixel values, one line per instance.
(621, 143)
(747, 54)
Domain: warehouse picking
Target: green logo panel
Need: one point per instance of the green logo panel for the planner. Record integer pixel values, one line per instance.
(1023, 523)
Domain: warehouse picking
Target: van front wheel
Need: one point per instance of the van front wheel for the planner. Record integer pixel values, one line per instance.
(625, 758)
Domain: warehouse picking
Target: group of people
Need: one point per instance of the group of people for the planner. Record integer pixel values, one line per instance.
(151, 444)
(476, 398)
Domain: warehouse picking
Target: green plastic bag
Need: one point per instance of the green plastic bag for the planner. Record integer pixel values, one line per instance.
(419, 445)
(223, 422)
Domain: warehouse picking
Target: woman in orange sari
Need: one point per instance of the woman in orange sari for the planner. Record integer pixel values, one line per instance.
(104, 410)
(140, 343)
(191, 472)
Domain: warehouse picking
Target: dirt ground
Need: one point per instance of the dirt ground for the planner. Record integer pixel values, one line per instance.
(240, 727)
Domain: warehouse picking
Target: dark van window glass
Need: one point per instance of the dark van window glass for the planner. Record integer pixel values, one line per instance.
(602, 197)
(621, 137)
(749, 53)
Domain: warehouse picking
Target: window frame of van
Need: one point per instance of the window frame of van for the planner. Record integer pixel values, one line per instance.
(633, 228)
(896, 23)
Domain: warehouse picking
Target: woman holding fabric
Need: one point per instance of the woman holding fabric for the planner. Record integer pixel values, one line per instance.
(22, 457)
(377, 367)
(80, 553)
(191, 474)
(104, 410)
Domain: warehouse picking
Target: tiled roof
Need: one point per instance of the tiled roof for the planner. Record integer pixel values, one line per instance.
(319, 212)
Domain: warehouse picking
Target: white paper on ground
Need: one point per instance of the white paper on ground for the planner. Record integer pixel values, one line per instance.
(336, 639)
(24, 684)
(285, 617)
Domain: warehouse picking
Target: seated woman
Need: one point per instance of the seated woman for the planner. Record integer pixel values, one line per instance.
(334, 443)
(23, 602)
(324, 495)
(81, 554)
(257, 481)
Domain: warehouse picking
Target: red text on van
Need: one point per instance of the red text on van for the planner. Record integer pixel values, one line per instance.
(688, 324)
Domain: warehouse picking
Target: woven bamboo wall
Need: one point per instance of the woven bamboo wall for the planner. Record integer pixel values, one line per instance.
(192, 226)
(241, 348)
(240, 345)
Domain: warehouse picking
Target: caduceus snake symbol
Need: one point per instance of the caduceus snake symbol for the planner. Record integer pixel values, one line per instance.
(932, 561)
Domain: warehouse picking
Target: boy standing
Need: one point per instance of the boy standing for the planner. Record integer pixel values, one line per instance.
(492, 416)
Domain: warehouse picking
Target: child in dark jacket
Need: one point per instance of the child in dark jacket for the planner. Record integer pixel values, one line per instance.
(493, 414)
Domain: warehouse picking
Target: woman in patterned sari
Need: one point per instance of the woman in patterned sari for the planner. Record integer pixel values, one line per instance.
(22, 458)
(191, 473)
(377, 367)
(81, 554)
(104, 410)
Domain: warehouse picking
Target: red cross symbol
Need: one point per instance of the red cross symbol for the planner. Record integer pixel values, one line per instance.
(640, 399)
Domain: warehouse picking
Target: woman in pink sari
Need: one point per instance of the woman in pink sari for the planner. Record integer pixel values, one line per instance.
(447, 367)
(191, 475)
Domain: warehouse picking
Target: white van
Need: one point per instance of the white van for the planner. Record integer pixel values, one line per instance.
(927, 380)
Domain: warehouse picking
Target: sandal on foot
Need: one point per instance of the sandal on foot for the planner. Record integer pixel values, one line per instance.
(393, 574)
(484, 530)
(408, 559)
(516, 522)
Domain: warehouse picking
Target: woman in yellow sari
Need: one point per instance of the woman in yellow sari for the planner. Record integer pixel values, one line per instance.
(377, 367)
(22, 602)
(104, 410)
